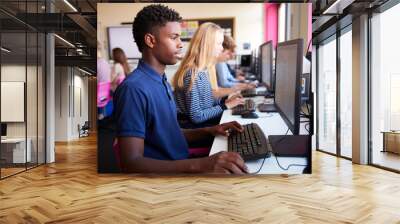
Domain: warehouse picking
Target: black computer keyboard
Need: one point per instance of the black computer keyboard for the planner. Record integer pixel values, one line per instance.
(250, 76)
(252, 93)
(251, 144)
(248, 106)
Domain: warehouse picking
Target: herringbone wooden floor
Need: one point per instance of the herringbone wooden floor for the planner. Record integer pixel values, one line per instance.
(71, 191)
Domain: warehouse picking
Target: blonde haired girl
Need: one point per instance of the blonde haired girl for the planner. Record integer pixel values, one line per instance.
(195, 80)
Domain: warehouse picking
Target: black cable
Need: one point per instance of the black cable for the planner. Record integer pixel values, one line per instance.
(268, 154)
(262, 164)
(307, 129)
(290, 165)
(276, 158)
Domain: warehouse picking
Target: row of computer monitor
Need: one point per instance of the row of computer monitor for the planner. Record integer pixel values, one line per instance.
(284, 78)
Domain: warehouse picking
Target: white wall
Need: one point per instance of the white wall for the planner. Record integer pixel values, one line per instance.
(33, 126)
(61, 103)
(293, 22)
(17, 73)
(282, 22)
(80, 83)
(248, 18)
(298, 22)
(67, 115)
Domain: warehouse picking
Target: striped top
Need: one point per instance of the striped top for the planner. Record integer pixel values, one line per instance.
(197, 104)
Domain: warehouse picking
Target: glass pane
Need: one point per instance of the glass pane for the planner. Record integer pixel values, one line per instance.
(327, 97)
(346, 94)
(41, 98)
(31, 98)
(385, 84)
(13, 87)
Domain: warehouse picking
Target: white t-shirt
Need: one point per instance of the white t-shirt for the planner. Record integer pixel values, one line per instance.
(117, 75)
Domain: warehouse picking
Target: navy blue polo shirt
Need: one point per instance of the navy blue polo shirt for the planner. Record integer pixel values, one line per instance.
(145, 108)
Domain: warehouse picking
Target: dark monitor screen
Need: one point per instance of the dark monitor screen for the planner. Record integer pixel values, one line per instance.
(3, 129)
(266, 50)
(253, 64)
(289, 67)
(245, 60)
(305, 86)
(257, 66)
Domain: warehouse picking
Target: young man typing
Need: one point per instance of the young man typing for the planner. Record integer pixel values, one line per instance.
(149, 135)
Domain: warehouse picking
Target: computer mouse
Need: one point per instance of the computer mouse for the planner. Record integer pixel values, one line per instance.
(250, 115)
(255, 82)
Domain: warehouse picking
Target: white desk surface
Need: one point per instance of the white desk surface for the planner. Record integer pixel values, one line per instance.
(13, 140)
(271, 124)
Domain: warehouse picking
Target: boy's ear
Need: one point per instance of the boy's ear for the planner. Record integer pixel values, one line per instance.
(149, 40)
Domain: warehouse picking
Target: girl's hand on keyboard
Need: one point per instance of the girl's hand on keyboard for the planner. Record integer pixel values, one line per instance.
(235, 95)
(231, 103)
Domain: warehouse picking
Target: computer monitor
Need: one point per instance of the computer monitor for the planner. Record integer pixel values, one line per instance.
(245, 60)
(266, 51)
(253, 61)
(305, 87)
(257, 66)
(3, 129)
(289, 63)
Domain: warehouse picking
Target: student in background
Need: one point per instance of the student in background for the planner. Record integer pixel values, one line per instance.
(105, 123)
(120, 69)
(193, 81)
(149, 135)
(104, 93)
(224, 74)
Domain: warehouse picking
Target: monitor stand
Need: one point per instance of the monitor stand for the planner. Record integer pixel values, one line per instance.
(267, 107)
(269, 95)
(290, 145)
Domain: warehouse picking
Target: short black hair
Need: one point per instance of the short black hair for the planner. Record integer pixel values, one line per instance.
(150, 17)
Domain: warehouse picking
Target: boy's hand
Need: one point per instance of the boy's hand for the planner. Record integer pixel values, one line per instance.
(225, 162)
(226, 128)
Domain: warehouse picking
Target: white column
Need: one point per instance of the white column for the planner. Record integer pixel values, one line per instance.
(50, 105)
(50, 92)
(314, 90)
(360, 90)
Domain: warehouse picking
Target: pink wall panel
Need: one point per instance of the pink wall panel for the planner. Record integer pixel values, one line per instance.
(271, 22)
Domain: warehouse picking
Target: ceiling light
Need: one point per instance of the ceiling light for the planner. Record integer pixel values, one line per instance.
(338, 6)
(5, 50)
(64, 40)
(86, 72)
(70, 5)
